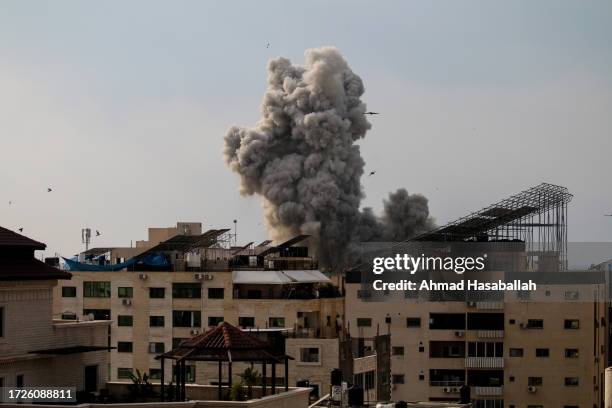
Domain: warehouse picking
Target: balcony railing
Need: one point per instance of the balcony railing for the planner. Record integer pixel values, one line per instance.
(446, 383)
(490, 334)
(484, 362)
(489, 305)
(488, 391)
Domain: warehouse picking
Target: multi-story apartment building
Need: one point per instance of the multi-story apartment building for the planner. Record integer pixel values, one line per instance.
(516, 349)
(35, 349)
(184, 285)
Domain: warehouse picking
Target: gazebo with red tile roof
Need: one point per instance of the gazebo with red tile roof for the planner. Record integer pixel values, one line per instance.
(224, 343)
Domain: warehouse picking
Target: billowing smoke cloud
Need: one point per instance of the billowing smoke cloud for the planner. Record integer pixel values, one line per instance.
(302, 158)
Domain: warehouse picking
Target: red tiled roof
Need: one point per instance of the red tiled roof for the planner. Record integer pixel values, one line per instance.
(10, 238)
(226, 337)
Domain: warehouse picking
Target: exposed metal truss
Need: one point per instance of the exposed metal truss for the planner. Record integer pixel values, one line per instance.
(536, 216)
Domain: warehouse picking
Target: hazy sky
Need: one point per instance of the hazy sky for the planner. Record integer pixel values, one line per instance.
(121, 106)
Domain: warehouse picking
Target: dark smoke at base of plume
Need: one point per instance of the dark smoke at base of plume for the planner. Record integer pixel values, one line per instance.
(302, 158)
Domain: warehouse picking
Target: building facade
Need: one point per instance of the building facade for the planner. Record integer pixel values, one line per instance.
(35, 348)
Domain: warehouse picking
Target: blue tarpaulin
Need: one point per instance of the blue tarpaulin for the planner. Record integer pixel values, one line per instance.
(150, 260)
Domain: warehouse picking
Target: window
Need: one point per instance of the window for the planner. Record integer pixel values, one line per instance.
(276, 322)
(369, 380)
(413, 322)
(309, 355)
(571, 324)
(125, 320)
(447, 321)
(156, 348)
(68, 291)
(96, 289)
(67, 316)
(155, 374)
(214, 321)
(571, 381)
(397, 378)
(98, 314)
(124, 346)
(571, 353)
(534, 381)
(125, 292)
(19, 380)
(516, 352)
(485, 349)
(364, 322)
(542, 352)
(535, 324)
(186, 318)
(176, 341)
(216, 293)
(246, 322)
(156, 321)
(397, 351)
(124, 373)
(157, 293)
(572, 295)
(187, 290)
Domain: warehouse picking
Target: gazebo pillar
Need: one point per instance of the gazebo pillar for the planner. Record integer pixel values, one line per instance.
(177, 378)
(163, 393)
(183, 379)
(273, 377)
(229, 373)
(286, 373)
(220, 388)
(264, 379)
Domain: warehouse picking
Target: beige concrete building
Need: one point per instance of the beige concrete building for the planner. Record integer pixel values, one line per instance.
(35, 349)
(514, 349)
(201, 281)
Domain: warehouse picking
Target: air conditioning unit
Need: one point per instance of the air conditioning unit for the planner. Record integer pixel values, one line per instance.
(195, 332)
(127, 302)
(532, 388)
(143, 276)
(208, 276)
(199, 276)
(447, 389)
(460, 333)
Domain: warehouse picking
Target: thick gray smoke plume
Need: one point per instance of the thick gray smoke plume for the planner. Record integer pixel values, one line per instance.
(302, 158)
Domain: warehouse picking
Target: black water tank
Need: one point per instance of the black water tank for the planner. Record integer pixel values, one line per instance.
(336, 376)
(355, 396)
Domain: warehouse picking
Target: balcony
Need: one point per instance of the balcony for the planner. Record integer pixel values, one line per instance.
(490, 334)
(488, 391)
(484, 362)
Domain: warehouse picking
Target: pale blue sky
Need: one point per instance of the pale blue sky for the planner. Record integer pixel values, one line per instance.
(121, 106)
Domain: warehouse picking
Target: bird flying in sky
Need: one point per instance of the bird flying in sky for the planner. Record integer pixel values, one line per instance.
(49, 189)
(373, 172)
(98, 233)
(372, 113)
(20, 229)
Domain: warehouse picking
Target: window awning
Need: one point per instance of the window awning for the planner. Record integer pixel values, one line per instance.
(278, 277)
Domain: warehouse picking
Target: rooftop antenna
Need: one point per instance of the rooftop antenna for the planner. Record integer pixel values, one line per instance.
(86, 237)
(235, 232)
